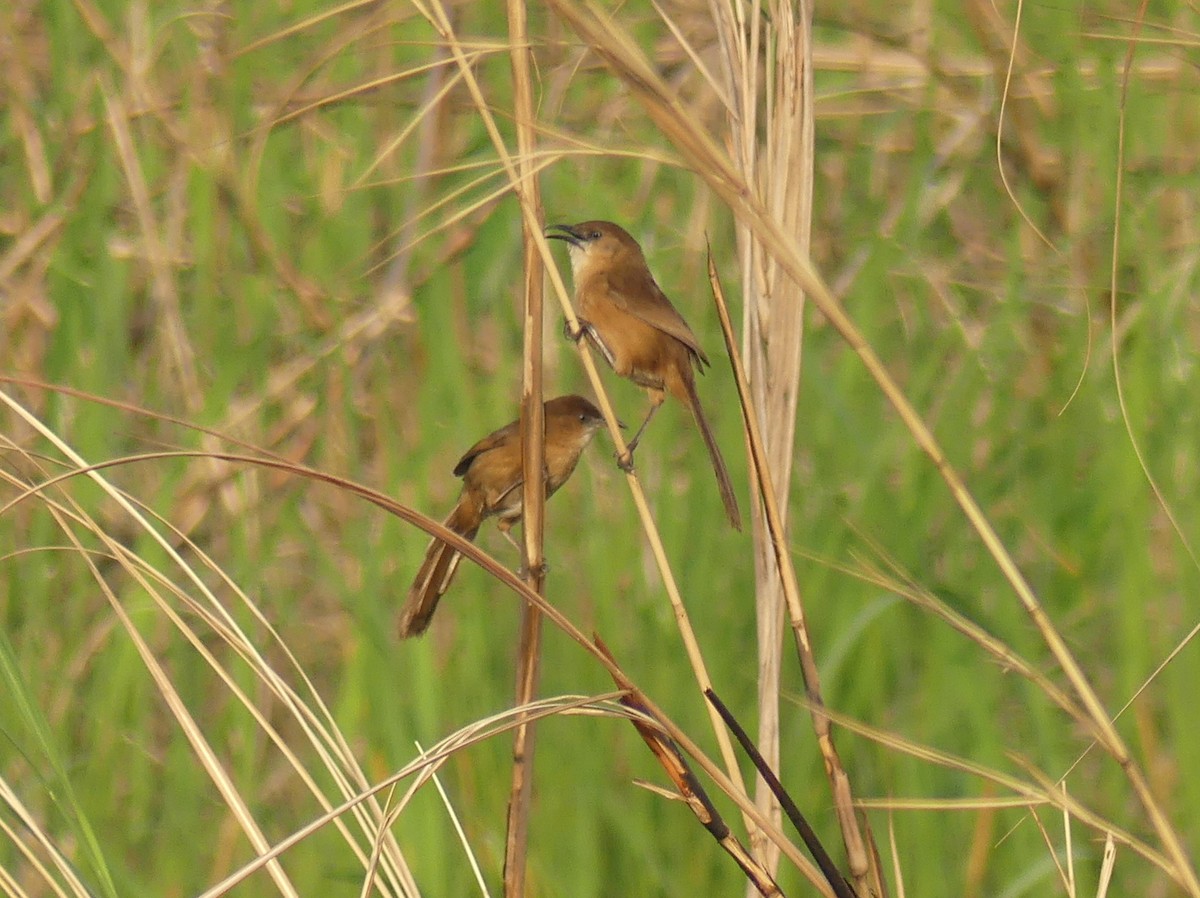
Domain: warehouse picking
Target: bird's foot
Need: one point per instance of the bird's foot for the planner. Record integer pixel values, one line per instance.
(625, 461)
(539, 572)
(574, 333)
(586, 329)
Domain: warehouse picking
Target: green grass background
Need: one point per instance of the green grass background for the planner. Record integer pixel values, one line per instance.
(1003, 343)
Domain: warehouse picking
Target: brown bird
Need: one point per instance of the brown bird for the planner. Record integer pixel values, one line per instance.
(630, 321)
(492, 478)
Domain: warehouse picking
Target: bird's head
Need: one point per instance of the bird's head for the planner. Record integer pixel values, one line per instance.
(573, 413)
(596, 243)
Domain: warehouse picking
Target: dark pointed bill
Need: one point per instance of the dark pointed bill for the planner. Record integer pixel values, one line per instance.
(563, 232)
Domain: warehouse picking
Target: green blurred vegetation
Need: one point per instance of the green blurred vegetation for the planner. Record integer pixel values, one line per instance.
(273, 215)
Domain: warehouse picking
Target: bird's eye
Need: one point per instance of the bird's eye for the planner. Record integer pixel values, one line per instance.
(595, 235)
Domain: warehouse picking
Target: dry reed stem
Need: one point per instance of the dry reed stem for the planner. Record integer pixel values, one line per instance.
(615, 46)
(424, 767)
(320, 728)
(912, 70)
(437, 18)
(1043, 791)
(1174, 845)
(862, 870)
(208, 758)
(1068, 850)
(897, 870)
(840, 885)
(688, 787)
(779, 163)
(1106, 865)
(11, 800)
(533, 434)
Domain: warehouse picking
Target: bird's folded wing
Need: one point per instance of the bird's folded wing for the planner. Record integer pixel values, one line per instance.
(491, 441)
(652, 307)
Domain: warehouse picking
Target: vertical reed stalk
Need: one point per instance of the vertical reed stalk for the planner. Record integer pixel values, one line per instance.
(533, 439)
(768, 71)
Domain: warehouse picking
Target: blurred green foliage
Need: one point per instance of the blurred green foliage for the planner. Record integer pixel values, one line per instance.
(275, 208)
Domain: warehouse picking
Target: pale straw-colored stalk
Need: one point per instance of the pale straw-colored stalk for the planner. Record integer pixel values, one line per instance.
(766, 60)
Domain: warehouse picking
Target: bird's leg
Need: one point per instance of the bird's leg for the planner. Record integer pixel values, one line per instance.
(586, 329)
(505, 529)
(507, 534)
(625, 459)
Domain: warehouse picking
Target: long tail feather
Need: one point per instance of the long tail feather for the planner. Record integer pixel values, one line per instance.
(714, 452)
(437, 570)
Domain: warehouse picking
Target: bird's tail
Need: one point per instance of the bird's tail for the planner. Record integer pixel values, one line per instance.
(437, 570)
(718, 463)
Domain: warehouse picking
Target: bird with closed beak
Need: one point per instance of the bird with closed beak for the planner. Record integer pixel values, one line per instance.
(631, 322)
(492, 487)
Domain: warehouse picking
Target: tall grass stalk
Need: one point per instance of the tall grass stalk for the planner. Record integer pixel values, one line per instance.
(533, 427)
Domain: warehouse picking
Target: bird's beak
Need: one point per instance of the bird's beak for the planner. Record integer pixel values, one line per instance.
(567, 233)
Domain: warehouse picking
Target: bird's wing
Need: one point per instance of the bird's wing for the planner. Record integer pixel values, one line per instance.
(491, 441)
(652, 307)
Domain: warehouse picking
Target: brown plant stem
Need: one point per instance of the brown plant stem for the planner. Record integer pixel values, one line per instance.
(867, 878)
(533, 441)
(665, 749)
(833, 875)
